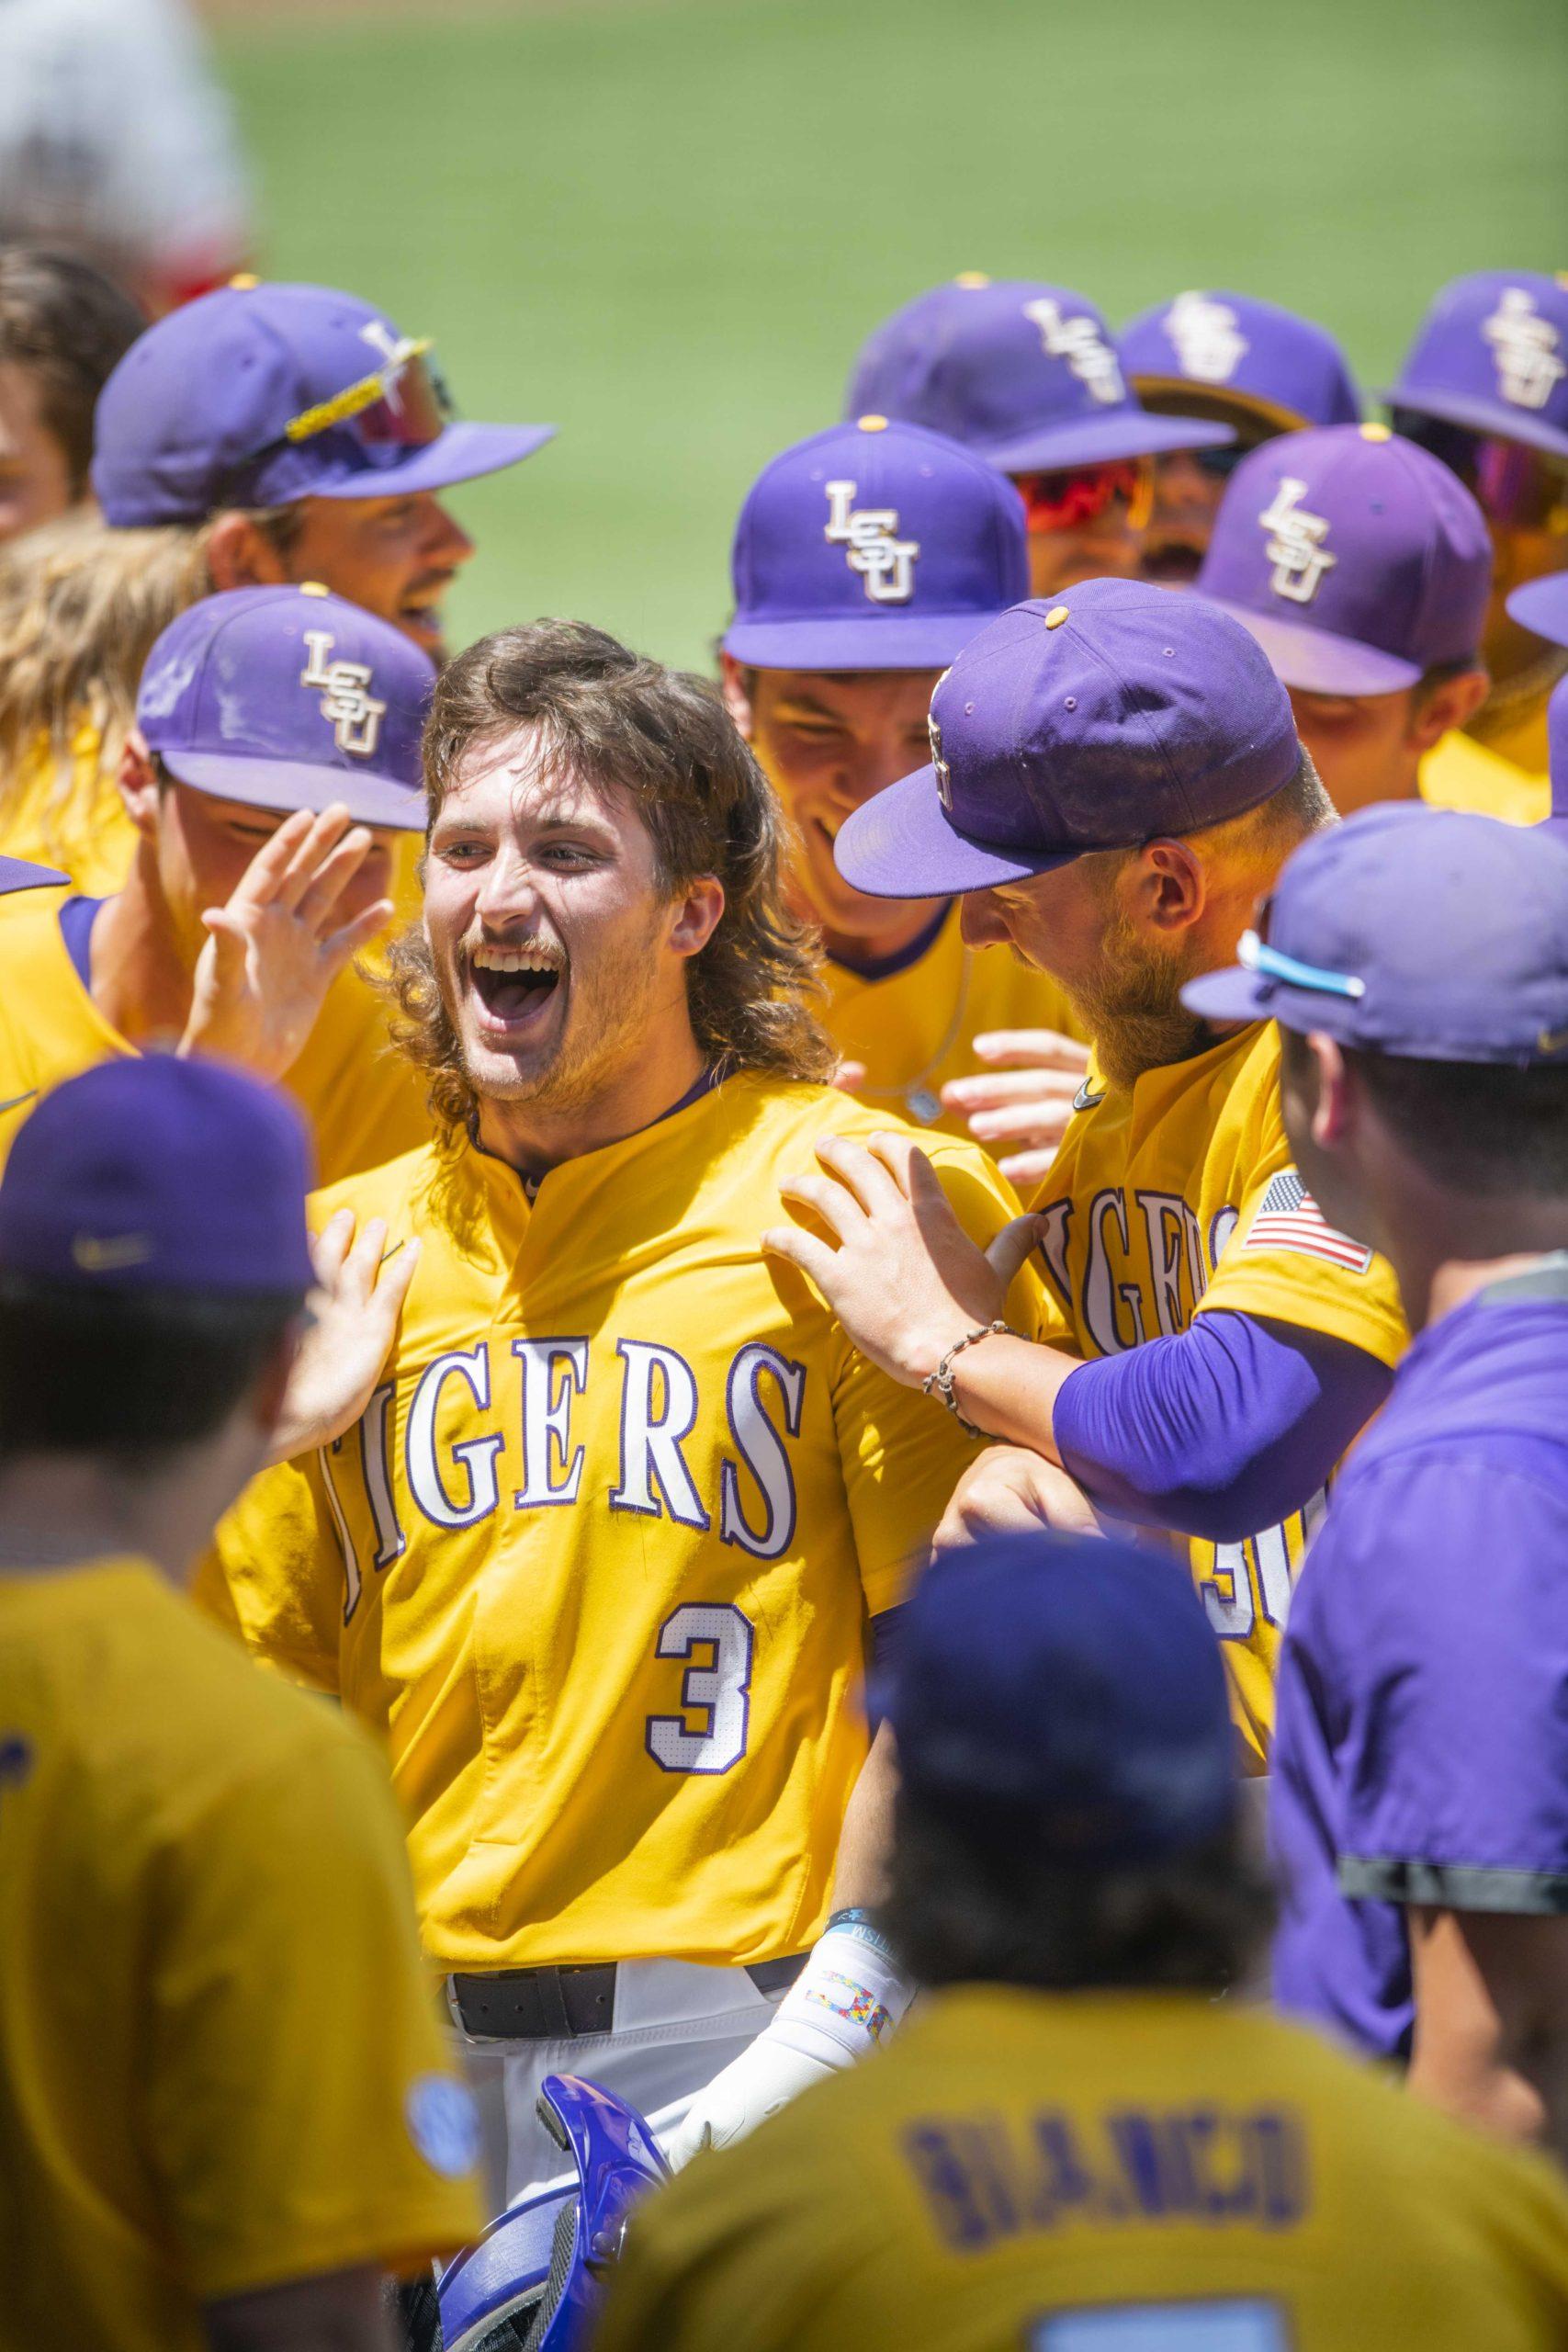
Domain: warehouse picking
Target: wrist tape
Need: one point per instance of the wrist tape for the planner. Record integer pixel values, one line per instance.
(847, 1999)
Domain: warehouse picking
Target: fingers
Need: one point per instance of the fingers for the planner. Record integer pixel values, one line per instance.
(1025, 1169)
(835, 1206)
(868, 1172)
(1012, 1246)
(996, 1090)
(814, 1259)
(1037, 1124)
(337, 868)
(395, 1276)
(340, 947)
(330, 1247)
(850, 1077)
(263, 876)
(1010, 1048)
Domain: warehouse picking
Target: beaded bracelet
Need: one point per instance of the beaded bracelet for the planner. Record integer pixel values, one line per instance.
(939, 1382)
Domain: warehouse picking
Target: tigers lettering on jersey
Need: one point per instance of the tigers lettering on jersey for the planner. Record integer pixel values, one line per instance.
(1179, 1198)
(596, 1562)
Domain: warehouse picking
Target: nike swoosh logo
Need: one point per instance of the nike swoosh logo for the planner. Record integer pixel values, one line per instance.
(17, 1101)
(1084, 1101)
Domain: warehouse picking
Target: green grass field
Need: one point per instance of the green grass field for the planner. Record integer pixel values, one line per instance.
(667, 226)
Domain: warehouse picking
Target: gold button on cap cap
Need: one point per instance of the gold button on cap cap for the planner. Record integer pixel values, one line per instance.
(871, 424)
(972, 278)
(1377, 432)
(244, 280)
(1056, 615)
(314, 588)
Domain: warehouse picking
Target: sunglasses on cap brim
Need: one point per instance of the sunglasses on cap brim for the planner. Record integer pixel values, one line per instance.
(1058, 501)
(1517, 488)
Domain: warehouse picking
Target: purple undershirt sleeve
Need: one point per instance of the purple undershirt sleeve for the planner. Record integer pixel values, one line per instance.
(1226, 1427)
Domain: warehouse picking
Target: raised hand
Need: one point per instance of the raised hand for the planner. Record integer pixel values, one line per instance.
(1019, 1104)
(276, 948)
(360, 1289)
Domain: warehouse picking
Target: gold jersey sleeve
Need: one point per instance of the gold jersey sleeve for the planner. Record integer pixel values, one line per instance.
(1178, 1197)
(220, 2065)
(63, 808)
(912, 1023)
(598, 1561)
(1113, 2173)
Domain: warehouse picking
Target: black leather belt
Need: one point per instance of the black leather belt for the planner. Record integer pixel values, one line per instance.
(563, 2004)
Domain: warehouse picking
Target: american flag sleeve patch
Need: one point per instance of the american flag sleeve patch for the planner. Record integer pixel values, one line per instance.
(1289, 1218)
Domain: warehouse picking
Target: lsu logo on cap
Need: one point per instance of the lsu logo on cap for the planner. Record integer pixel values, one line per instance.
(1295, 543)
(1526, 349)
(346, 700)
(868, 536)
(1080, 343)
(1204, 335)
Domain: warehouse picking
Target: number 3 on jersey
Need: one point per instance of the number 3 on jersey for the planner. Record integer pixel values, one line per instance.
(717, 1640)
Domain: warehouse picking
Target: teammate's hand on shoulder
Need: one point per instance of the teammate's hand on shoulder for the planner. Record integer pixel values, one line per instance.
(276, 948)
(1009, 1491)
(1023, 1099)
(360, 1289)
(850, 1077)
(898, 1271)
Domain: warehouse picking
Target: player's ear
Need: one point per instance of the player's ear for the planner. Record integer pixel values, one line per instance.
(140, 788)
(737, 686)
(239, 556)
(1452, 702)
(696, 915)
(1332, 1112)
(1169, 888)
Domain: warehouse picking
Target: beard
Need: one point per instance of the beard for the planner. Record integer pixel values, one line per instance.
(1132, 1006)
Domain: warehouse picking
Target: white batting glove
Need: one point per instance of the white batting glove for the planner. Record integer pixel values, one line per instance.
(847, 1999)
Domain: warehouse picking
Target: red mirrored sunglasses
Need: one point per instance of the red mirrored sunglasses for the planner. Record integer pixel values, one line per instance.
(1517, 488)
(1057, 501)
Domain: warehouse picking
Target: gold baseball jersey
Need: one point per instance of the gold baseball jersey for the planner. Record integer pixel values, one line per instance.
(1178, 1197)
(1105, 2171)
(66, 811)
(220, 2065)
(597, 1560)
(913, 1019)
(1459, 773)
(361, 1099)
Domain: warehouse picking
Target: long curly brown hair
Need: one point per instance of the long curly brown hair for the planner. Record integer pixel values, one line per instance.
(662, 737)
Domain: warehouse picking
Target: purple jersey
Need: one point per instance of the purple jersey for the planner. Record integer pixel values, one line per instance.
(1422, 1747)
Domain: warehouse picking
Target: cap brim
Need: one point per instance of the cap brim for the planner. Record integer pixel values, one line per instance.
(1542, 606)
(462, 453)
(870, 641)
(283, 786)
(1250, 407)
(1315, 660)
(1231, 994)
(901, 844)
(1098, 440)
(1496, 417)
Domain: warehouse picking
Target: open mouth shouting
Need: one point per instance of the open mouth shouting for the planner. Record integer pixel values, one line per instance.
(420, 614)
(516, 990)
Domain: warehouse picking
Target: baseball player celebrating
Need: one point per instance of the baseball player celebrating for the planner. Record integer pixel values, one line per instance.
(598, 1557)
(1485, 387)
(863, 559)
(1415, 965)
(1072, 2145)
(272, 772)
(1231, 359)
(1027, 376)
(1363, 569)
(226, 2109)
(1115, 781)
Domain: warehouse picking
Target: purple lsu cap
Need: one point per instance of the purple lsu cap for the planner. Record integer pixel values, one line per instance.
(872, 546)
(1120, 714)
(1226, 352)
(1065, 1694)
(1424, 932)
(1025, 375)
(149, 1172)
(1357, 561)
(1491, 356)
(257, 395)
(1542, 606)
(290, 699)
